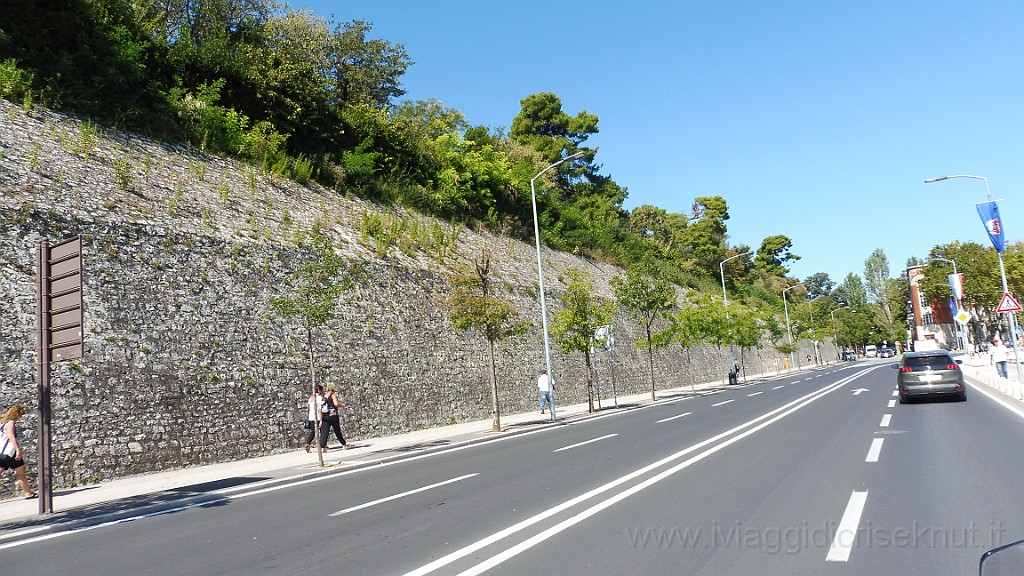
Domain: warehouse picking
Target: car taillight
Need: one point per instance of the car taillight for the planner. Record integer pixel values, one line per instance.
(906, 369)
(952, 367)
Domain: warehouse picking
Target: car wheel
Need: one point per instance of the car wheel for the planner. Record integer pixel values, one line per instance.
(904, 399)
(962, 396)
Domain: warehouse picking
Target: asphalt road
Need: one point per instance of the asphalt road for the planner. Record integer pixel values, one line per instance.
(822, 473)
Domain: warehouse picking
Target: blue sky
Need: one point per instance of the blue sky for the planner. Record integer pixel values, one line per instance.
(815, 119)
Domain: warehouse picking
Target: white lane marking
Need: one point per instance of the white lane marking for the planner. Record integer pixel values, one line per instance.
(721, 403)
(875, 450)
(886, 418)
(584, 443)
(895, 392)
(402, 495)
(673, 417)
(846, 532)
(769, 417)
(1001, 402)
(892, 404)
(807, 379)
(777, 387)
(755, 393)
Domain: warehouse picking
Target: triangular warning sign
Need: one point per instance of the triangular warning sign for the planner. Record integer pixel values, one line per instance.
(1008, 304)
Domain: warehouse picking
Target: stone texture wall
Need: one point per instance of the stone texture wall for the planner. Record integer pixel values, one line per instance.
(186, 364)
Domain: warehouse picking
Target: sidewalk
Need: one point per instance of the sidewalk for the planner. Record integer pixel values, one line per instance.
(185, 483)
(979, 370)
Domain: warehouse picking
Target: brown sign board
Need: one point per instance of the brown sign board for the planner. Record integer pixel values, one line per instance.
(64, 290)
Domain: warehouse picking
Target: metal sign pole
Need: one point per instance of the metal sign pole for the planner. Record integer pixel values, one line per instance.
(45, 487)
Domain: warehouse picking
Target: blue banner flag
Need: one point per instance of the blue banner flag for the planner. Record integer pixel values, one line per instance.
(989, 213)
(953, 308)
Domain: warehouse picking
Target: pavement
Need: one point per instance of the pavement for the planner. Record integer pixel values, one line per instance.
(196, 482)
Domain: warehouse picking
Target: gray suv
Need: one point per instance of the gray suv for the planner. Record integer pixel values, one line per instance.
(929, 373)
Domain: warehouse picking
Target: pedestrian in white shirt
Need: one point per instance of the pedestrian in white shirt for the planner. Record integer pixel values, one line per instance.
(997, 355)
(546, 388)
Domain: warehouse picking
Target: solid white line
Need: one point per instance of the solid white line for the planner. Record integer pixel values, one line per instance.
(755, 393)
(771, 417)
(673, 417)
(892, 404)
(1000, 400)
(777, 387)
(402, 495)
(721, 403)
(886, 418)
(846, 532)
(875, 450)
(584, 443)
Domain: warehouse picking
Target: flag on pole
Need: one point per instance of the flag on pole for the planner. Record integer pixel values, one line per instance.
(953, 308)
(956, 282)
(989, 213)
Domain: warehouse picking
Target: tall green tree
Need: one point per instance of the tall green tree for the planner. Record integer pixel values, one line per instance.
(647, 298)
(774, 254)
(582, 313)
(876, 277)
(545, 127)
(475, 306)
(317, 285)
(819, 284)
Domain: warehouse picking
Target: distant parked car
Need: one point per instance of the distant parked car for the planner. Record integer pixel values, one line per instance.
(886, 353)
(930, 373)
(849, 356)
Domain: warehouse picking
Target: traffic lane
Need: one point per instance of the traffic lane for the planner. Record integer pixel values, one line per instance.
(949, 485)
(736, 484)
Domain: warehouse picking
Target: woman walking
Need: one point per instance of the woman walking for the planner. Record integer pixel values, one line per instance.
(313, 423)
(11, 455)
(332, 420)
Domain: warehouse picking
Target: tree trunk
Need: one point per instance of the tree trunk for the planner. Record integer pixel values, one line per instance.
(590, 382)
(495, 409)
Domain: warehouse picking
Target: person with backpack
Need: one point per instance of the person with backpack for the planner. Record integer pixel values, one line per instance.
(331, 418)
(11, 455)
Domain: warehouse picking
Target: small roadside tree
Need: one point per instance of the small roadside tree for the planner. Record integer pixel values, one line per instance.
(647, 298)
(582, 313)
(474, 306)
(745, 326)
(317, 286)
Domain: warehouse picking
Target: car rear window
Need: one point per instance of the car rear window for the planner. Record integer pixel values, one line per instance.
(924, 362)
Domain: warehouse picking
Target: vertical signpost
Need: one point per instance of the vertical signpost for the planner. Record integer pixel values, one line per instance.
(59, 284)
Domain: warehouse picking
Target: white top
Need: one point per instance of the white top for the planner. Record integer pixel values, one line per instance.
(542, 383)
(998, 353)
(315, 402)
(6, 446)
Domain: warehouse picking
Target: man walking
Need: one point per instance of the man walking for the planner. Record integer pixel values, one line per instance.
(546, 387)
(998, 356)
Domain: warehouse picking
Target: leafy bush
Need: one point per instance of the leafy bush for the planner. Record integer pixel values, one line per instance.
(14, 82)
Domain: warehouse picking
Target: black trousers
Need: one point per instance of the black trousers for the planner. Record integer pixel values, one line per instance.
(330, 423)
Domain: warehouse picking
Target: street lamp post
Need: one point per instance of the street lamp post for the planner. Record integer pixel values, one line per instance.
(792, 358)
(540, 281)
(721, 270)
(835, 336)
(1012, 318)
(959, 328)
